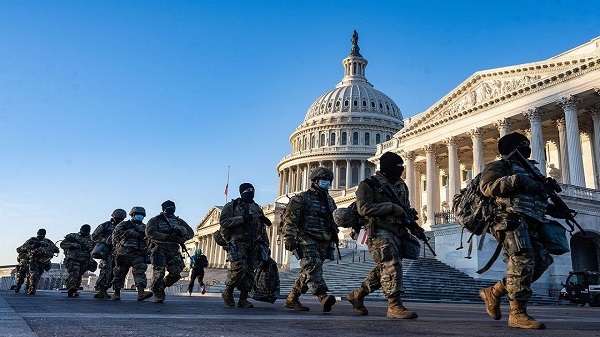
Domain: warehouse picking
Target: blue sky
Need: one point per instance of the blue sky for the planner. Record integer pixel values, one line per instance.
(113, 104)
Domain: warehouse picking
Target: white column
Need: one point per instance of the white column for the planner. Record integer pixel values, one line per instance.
(453, 168)
(431, 188)
(595, 114)
(476, 136)
(576, 173)
(563, 150)
(537, 139)
(361, 173)
(409, 167)
(289, 180)
(298, 178)
(307, 179)
(348, 173)
(503, 126)
(336, 176)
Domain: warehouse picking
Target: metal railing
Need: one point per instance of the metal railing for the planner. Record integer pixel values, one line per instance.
(443, 217)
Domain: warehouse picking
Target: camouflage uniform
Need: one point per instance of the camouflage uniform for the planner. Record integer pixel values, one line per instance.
(129, 240)
(102, 234)
(39, 252)
(309, 221)
(165, 235)
(247, 243)
(78, 250)
(22, 268)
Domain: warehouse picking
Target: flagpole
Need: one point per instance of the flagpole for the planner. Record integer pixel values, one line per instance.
(227, 185)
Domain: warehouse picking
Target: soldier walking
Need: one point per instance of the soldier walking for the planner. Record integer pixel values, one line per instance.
(243, 226)
(78, 248)
(309, 231)
(38, 252)
(384, 217)
(167, 233)
(129, 243)
(523, 204)
(102, 235)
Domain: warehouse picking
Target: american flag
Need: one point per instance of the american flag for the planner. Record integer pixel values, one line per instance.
(226, 189)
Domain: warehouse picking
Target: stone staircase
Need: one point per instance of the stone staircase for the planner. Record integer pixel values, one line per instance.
(425, 279)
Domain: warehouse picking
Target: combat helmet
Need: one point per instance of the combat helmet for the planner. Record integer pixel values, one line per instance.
(119, 213)
(138, 210)
(320, 173)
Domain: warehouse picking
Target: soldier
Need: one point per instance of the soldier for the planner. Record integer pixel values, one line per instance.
(197, 264)
(309, 231)
(523, 203)
(243, 227)
(78, 248)
(38, 252)
(22, 268)
(102, 235)
(129, 244)
(384, 217)
(166, 233)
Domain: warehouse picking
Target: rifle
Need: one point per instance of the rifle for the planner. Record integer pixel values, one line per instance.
(332, 228)
(410, 222)
(552, 188)
(172, 231)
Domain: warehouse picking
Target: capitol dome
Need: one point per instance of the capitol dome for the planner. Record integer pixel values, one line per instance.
(341, 130)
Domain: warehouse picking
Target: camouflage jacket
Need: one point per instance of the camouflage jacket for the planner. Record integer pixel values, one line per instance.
(77, 247)
(499, 179)
(310, 213)
(233, 227)
(103, 233)
(40, 250)
(129, 237)
(168, 235)
(377, 205)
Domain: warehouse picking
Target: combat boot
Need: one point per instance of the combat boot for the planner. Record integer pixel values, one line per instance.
(356, 298)
(293, 302)
(519, 318)
(18, 288)
(327, 301)
(491, 296)
(397, 310)
(243, 301)
(102, 293)
(159, 296)
(142, 293)
(117, 295)
(30, 291)
(227, 296)
(72, 292)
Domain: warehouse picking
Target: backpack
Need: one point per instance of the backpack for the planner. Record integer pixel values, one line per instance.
(221, 235)
(473, 210)
(266, 282)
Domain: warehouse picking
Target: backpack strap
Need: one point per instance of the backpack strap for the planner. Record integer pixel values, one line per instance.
(494, 257)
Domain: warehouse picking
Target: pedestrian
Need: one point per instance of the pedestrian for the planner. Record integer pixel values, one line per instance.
(101, 236)
(78, 248)
(34, 257)
(309, 231)
(522, 206)
(129, 246)
(384, 213)
(243, 226)
(166, 233)
(198, 262)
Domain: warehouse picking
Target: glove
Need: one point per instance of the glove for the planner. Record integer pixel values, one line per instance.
(265, 220)
(528, 185)
(289, 243)
(248, 218)
(398, 211)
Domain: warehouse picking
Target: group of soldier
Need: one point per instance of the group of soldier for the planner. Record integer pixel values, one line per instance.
(311, 233)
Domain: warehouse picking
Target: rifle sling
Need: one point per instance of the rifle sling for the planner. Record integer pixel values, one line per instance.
(493, 259)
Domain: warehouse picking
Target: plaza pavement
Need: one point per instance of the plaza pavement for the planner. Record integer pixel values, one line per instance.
(52, 313)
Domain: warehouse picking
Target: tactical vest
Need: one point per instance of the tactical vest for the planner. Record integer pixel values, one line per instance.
(531, 205)
(317, 215)
(253, 231)
(137, 243)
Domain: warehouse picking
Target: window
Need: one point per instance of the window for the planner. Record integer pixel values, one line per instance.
(344, 138)
(332, 139)
(322, 140)
(367, 139)
(367, 172)
(337, 104)
(345, 103)
(305, 142)
(342, 176)
(377, 138)
(312, 141)
(364, 103)
(387, 137)
(355, 138)
(372, 104)
(354, 176)
(355, 103)
(380, 106)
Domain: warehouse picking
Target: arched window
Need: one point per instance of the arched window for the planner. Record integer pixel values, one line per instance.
(355, 138)
(305, 142)
(367, 139)
(312, 141)
(387, 137)
(354, 176)
(344, 138)
(332, 139)
(377, 138)
(342, 181)
(322, 140)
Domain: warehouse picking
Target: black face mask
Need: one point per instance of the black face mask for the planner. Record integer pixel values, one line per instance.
(393, 173)
(40, 237)
(247, 196)
(169, 211)
(525, 151)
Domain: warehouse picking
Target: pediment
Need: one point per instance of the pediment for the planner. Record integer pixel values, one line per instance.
(485, 88)
(210, 219)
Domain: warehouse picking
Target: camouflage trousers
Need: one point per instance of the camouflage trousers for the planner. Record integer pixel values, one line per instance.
(22, 270)
(106, 273)
(386, 251)
(122, 263)
(524, 266)
(75, 270)
(162, 262)
(36, 269)
(241, 266)
(313, 254)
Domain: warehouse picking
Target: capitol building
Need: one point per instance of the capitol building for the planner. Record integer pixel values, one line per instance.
(555, 102)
